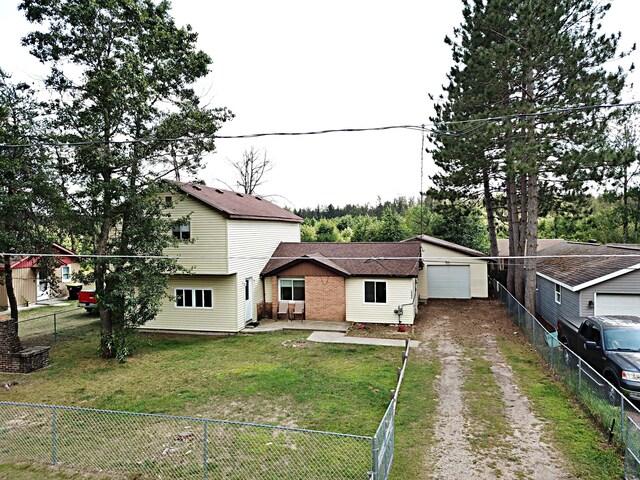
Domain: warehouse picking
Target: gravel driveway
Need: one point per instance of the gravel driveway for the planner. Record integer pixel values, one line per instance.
(461, 332)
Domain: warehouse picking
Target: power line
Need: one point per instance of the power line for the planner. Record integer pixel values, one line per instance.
(370, 258)
(421, 128)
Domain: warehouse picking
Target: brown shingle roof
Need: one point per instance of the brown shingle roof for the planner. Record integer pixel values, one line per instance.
(577, 271)
(443, 243)
(238, 206)
(376, 259)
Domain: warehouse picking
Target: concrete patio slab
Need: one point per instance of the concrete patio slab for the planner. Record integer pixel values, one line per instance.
(309, 325)
(337, 337)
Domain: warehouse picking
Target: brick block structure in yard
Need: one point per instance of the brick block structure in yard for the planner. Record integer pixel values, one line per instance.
(14, 358)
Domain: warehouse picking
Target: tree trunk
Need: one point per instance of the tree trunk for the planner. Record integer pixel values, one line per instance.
(511, 269)
(11, 293)
(625, 203)
(491, 218)
(532, 242)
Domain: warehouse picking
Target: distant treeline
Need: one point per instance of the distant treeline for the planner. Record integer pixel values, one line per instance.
(399, 205)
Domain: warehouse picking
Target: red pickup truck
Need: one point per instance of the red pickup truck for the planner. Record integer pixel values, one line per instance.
(87, 299)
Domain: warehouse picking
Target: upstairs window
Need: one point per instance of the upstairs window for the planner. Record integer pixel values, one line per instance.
(182, 232)
(558, 294)
(375, 291)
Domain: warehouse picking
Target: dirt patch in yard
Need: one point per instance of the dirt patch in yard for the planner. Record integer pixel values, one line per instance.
(483, 433)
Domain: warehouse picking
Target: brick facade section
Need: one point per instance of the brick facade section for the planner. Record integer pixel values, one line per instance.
(15, 359)
(325, 298)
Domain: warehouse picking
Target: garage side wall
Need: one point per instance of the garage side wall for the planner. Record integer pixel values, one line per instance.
(436, 255)
(547, 306)
(624, 284)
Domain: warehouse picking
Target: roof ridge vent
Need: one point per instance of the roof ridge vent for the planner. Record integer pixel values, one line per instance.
(219, 191)
(258, 198)
(196, 187)
(239, 194)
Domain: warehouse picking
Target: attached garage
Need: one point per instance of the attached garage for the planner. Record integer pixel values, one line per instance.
(616, 304)
(449, 281)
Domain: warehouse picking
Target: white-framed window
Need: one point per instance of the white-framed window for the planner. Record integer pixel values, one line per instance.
(558, 294)
(66, 273)
(291, 289)
(375, 291)
(194, 297)
(183, 232)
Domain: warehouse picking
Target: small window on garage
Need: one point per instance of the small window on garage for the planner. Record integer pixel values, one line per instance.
(558, 294)
(375, 291)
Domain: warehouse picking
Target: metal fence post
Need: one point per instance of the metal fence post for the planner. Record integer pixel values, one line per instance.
(552, 349)
(55, 436)
(579, 373)
(626, 448)
(204, 452)
(622, 415)
(374, 458)
(55, 327)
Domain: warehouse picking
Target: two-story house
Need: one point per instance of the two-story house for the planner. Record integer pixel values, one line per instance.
(228, 240)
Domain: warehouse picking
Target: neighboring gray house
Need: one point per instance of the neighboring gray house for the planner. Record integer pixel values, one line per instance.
(597, 280)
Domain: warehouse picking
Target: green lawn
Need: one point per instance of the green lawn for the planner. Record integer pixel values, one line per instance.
(248, 378)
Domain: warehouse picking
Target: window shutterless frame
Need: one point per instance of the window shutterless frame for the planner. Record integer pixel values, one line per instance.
(558, 294)
(66, 273)
(375, 292)
(293, 287)
(193, 298)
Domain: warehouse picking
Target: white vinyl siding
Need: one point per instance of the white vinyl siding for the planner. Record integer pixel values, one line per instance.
(400, 291)
(449, 281)
(436, 255)
(611, 304)
(221, 318)
(257, 239)
(207, 252)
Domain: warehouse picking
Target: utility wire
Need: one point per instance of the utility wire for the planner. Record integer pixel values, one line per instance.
(421, 128)
(370, 258)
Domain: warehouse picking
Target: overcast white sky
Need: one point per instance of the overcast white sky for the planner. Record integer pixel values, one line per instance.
(299, 66)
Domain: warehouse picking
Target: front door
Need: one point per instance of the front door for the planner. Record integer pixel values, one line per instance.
(248, 300)
(42, 287)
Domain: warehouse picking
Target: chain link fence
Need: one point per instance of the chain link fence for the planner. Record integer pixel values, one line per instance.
(117, 444)
(141, 446)
(49, 327)
(603, 401)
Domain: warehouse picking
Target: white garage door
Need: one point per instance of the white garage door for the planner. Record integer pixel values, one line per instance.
(609, 304)
(448, 281)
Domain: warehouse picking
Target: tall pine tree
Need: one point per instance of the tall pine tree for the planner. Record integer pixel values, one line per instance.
(514, 59)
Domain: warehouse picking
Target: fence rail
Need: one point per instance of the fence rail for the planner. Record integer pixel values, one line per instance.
(146, 446)
(603, 400)
(52, 325)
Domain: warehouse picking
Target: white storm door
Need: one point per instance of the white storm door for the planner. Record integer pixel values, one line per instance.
(248, 300)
